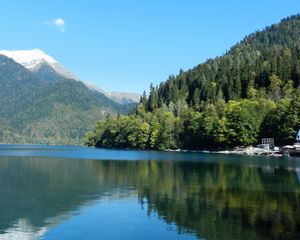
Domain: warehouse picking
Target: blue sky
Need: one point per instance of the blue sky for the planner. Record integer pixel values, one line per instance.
(125, 45)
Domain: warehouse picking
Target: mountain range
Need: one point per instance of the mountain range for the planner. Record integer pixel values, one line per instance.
(43, 102)
(44, 66)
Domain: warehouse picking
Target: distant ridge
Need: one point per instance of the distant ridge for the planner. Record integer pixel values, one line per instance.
(35, 59)
(41, 104)
(46, 67)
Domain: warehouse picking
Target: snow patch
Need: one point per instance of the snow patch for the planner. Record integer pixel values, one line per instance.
(28, 58)
(36, 58)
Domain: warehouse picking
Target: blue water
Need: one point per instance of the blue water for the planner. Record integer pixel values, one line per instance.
(64, 192)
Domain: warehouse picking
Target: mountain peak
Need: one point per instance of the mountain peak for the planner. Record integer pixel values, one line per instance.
(44, 66)
(35, 60)
(28, 58)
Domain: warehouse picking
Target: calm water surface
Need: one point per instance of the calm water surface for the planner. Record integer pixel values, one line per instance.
(62, 192)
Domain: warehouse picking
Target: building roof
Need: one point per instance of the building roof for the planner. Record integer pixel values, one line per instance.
(298, 135)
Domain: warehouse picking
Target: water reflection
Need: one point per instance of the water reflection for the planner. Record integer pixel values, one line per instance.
(209, 198)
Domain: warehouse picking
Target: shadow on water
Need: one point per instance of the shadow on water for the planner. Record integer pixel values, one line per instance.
(210, 196)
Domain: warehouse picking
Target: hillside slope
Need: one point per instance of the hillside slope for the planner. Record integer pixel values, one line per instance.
(42, 109)
(47, 68)
(249, 64)
(249, 93)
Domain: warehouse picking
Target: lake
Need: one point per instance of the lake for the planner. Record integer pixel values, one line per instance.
(63, 192)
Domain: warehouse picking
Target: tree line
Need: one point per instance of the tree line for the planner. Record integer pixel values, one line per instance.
(219, 125)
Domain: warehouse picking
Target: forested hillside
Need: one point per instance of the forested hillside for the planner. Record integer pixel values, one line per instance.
(250, 92)
(48, 109)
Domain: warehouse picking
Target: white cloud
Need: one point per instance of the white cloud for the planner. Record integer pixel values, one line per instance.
(58, 22)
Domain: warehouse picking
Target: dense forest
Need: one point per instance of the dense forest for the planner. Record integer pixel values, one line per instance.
(250, 92)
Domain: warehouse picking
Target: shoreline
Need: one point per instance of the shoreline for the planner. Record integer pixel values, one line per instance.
(250, 151)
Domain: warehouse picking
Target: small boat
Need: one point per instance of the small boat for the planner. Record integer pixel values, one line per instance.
(276, 154)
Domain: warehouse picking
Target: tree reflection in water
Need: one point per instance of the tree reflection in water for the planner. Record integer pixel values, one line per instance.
(215, 200)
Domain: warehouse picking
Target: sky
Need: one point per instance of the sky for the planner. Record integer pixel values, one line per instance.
(124, 45)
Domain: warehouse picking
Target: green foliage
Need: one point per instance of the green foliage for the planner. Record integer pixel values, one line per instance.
(283, 122)
(237, 123)
(158, 130)
(242, 122)
(275, 87)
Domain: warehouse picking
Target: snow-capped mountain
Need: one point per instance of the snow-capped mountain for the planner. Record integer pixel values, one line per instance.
(29, 58)
(46, 67)
(35, 59)
(48, 108)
